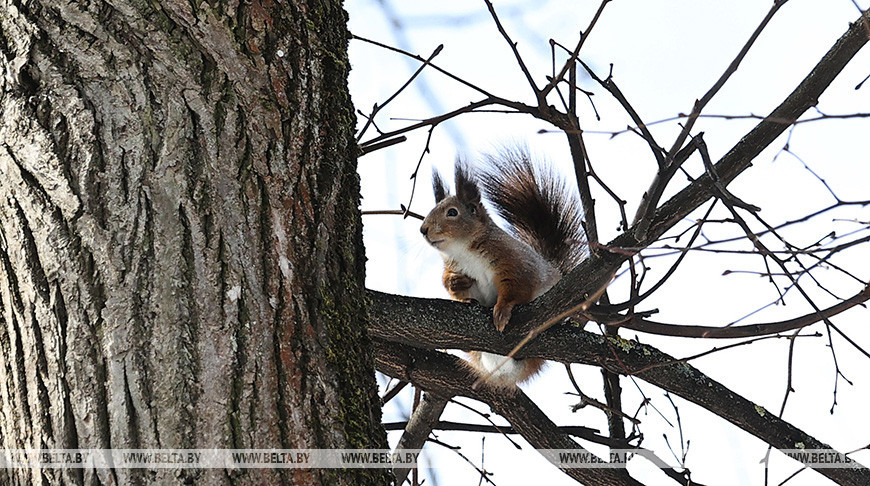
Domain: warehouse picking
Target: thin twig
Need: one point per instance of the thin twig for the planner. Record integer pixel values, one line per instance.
(574, 55)
(517, 55)
(397, 212)
(732, 68)
(379, 107)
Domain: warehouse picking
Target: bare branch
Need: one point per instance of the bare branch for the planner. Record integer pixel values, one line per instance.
(453, 325)
(397, 212)
(613, 89)
(646, 211)
(418, 428)
(431, 121)
(517, 55)
(574, 55)
(443, 374)
(578, 431)
(384, 144)
(392, 392)
(379, 107)
(637, 323)
(732, 68)
(426, 62)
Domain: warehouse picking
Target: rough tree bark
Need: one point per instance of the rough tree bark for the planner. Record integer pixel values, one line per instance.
(181, 262)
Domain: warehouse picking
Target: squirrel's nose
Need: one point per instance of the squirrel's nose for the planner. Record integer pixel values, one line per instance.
(424, 229)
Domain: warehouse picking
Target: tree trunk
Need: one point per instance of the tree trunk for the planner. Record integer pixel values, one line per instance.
(181, 261)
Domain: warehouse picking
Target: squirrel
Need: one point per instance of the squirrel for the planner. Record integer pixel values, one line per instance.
(483, 263)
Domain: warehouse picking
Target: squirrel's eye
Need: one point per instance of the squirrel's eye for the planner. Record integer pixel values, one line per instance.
(452, 213)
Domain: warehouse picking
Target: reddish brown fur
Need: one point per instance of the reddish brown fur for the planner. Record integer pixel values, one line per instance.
(484, 263)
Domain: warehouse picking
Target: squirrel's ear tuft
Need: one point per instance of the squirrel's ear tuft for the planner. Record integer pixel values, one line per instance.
(438, 185)
(466, 185)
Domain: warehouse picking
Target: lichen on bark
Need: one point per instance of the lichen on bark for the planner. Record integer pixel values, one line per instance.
(180, 241)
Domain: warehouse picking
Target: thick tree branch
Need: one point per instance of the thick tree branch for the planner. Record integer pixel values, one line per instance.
(578, 431)
(423, 420)
(437, 324)
(445, 375)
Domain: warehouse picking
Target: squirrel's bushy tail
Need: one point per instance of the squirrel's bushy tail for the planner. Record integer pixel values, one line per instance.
(537, 204)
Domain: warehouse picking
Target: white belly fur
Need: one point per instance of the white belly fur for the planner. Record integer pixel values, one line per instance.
(476, 267)
(486, 293)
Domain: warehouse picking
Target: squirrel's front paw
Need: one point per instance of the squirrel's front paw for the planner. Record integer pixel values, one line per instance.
(457, 283)
(501, 314)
